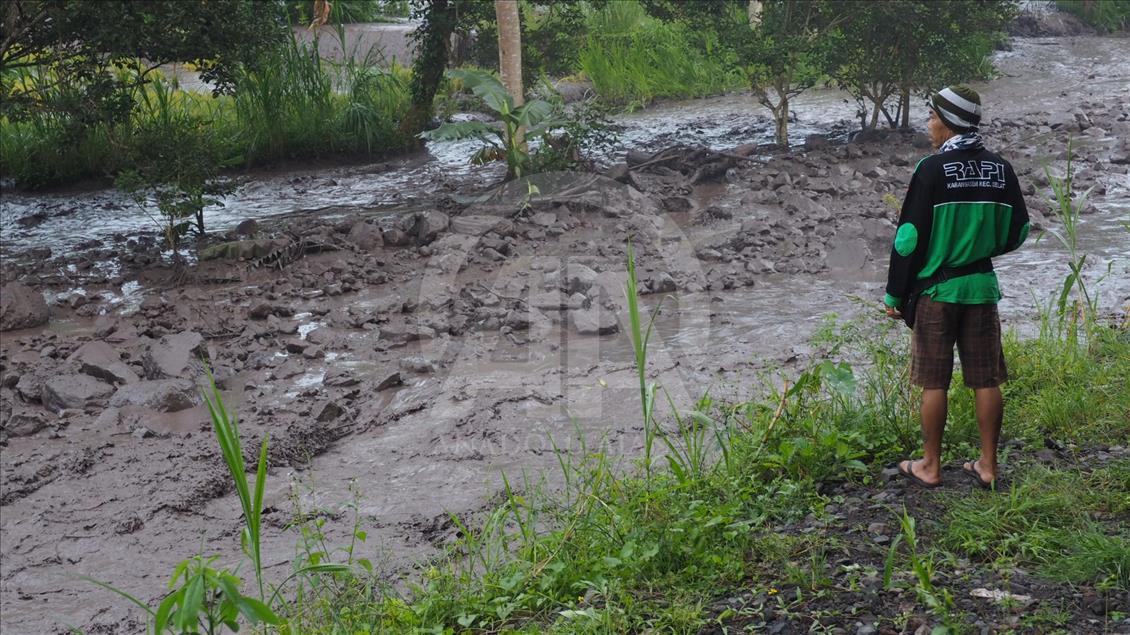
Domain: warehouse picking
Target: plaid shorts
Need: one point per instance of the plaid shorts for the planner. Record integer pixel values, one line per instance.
(975, 328)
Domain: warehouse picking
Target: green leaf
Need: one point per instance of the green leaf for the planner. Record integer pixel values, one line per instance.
(486, 87)
(534, 112)
(257, 611)
(187, 616)
(161, 620)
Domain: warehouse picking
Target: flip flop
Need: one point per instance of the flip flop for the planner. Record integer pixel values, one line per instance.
(909, 473)
(970, 468)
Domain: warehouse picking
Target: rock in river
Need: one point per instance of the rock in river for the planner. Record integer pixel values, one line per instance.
(22, 307)
(162, 395)
(73, 391)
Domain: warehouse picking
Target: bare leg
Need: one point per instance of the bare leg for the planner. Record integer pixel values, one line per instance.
(934, 410)
(990, 413)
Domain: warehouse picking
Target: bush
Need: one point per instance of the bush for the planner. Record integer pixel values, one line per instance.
(1107, 16)
(657, 60)
(291, 105)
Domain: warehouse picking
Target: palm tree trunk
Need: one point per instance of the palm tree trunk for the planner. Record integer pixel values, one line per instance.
(510, 55)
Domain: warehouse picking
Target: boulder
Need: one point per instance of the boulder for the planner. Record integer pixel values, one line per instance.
(390, 380)
(29, 387)
(248, 228)
(428, 225)
(23, 424)
(162, 395)
(174, 355)
(327, 411)
(594, 321)
(22, 307)
(73, 391)
(816, 142)
(661, 282)
(393, 237)
(366, 236)
(99, 360)
(263, 310)
(517, 320)
(578, 278)
(341, 377)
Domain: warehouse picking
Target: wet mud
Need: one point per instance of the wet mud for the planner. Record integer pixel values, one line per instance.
(404, 345)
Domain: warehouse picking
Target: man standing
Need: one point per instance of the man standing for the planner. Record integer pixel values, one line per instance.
(963, 207)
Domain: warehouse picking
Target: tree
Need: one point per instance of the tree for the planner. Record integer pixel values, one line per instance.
(885, 49)
(510, 55)
(783, 53)
(100, 51)
(779, 44)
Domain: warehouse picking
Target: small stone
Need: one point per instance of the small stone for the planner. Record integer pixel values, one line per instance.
(327, 411)
(419, 365)
(340, 377)
(595, 321)
(393, 379)
(23, 424)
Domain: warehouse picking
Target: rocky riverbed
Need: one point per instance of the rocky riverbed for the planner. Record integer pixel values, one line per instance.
(416, 348)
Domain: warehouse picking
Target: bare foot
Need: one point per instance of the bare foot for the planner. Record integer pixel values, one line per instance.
(984, 477)
(911, 470)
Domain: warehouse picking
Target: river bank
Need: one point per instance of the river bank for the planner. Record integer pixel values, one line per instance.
(418, 339)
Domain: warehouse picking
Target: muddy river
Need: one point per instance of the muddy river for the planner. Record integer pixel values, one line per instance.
(415, 332)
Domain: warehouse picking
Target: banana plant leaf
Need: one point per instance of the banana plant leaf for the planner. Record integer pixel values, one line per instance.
(486, 87)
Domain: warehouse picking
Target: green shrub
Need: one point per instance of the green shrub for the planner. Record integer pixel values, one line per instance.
(1107, 16)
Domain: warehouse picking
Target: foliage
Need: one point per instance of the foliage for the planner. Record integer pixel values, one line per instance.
(176, 162)
(536, 117)
(552, 37)
(293, 104)
(586, 131)
(1106, 15)
(938, 600)
(632, 58)
(301, 12)
(1068, 209)
(437, 20)
(81, 44)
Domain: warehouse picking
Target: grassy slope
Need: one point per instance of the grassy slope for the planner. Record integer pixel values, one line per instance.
(783, 520)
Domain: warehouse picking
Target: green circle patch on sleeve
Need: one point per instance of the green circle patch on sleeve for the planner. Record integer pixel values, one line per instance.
(906, 239)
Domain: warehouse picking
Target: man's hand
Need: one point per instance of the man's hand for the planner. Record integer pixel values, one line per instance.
(892, 312)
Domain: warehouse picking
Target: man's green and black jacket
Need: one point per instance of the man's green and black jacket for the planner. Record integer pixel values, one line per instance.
(963, 206)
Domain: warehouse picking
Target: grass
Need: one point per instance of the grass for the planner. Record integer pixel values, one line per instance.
(296, 105)
(655, 548)
(1107, 16)
(736, 525)
(633, 59)
(651, 550)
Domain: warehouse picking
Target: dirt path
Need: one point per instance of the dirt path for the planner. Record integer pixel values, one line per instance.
(415, 352)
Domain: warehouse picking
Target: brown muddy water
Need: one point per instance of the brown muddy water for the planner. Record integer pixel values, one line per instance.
(438, 333)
